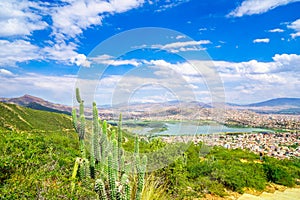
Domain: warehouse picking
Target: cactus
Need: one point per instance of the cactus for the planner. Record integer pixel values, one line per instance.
(111, 177)
(78, 95)
(100, 189)
(141, 169)
(127, 190)
(106, 164)
(75, 170)
(115, 158)
(74, 119)
(120, 151)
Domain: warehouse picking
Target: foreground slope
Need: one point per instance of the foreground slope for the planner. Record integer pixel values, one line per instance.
(14, 117)
(37, 154)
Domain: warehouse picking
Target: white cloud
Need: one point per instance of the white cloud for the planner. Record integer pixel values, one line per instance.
(171, 4)
(17, 18)
(262, 40)
(52, 88)
(253, 80)
(280, 63)
(296, 26)
(109, 60)
(178, 37)
(70, 20)
(17, 51)
(65, 53)
(6, 72)
(183, 46)
(250, 7)
(276, 30)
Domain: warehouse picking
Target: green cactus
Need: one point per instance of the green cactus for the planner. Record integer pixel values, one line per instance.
(82, 127)
(74, 119)
(107, 160)
(78, 95)
(115, 159)
(113, 135)
(111, 177)
(141, 169)
(100, 189)
(82, 148)
(120, 150)
(92, 161)
(75, 170)
(126, 187)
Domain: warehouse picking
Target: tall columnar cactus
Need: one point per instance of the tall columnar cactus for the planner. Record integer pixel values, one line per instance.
(78, 95)
(100, 189)
(75, 120)
(127, 189)
(95, 143)
(107, 159)
(120, 150)
(111, 177)
(141, 169)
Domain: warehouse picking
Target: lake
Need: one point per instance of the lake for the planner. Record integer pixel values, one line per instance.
(186, 128)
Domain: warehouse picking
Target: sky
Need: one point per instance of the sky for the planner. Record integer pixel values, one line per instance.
(239, 51)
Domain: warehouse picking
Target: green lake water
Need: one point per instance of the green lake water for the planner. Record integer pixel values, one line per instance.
(186, 128)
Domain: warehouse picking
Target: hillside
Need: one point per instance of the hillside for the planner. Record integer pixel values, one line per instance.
(295, 102)
(37, 154)
(16, 118)
(37, 103)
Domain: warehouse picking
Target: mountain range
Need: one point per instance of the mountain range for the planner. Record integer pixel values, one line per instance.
(275, 106)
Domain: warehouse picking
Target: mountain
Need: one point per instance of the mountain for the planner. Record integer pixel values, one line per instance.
(38, 104)
(292, 102)
(18, 118)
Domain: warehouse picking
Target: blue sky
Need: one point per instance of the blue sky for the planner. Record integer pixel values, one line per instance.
(253, 48)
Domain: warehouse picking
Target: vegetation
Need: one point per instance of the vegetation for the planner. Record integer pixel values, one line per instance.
(17, 118)
(38, 150)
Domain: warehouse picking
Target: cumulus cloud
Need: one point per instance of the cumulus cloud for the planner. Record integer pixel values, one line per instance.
(251, 7)
(253, 80)
(71, 19)
(296, 27)
(280, 63)
(262, 40)
(65, 53)
(17, 51)
(67, 20)
(17, 18)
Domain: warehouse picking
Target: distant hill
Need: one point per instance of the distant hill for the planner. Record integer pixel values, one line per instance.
(18, 118)
(295, 102)
(37, 104)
